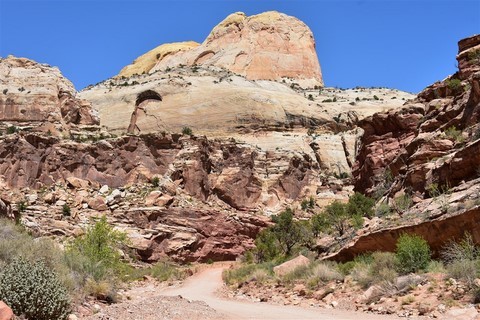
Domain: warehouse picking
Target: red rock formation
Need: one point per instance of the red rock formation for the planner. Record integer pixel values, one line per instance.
(194, 235)
(433, 140)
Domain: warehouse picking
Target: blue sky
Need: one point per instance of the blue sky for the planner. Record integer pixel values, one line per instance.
(399, 44)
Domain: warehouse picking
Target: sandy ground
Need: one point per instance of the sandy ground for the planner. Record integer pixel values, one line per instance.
(199, 298)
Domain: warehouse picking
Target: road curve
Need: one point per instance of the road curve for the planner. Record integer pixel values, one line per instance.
(203, 286)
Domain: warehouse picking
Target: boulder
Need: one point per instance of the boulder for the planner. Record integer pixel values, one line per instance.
(98, 203)
(291, 265)
(5, 312)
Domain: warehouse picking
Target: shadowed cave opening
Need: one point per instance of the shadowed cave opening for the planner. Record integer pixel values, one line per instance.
(147, 95)
(142, 97)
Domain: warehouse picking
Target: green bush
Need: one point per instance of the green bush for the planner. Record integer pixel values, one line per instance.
(337, 216)
(266, 244)
(413, 253)
(403, 202)
(32, 290)
(66, 211)
(360, 205)
(454, 134)
(249, 272)
(383, 210)
(155, 181)
(187, 131)
(454, 84)
(377, 268)
(462, 259)
(96, 253)
(319, 224)
(12, 129)
(308, 204)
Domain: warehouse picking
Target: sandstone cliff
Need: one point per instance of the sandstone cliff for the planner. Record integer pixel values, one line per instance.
(39, 97)
(267, 46)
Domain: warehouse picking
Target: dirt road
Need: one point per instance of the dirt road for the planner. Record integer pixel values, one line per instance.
(203, 287)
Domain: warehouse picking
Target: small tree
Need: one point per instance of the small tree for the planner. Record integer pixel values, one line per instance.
(287, 231)
(266, 245)
(413, 253)
(100, 248)
(360, 205)
(337, 216)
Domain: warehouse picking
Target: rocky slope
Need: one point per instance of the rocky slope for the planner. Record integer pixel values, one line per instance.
(428, 154)
(267, 46)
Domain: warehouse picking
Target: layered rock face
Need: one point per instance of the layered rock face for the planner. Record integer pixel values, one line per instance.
(267, 46)
(433, 140)
(244, 178)
(37, 95)
(428, 152)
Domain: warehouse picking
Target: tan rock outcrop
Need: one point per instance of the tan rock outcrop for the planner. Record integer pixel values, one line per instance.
(267, 46)
(147, 61)
(38, 96)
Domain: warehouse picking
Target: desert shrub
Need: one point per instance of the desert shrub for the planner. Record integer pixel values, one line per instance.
(403, 202)
(187, 131)
(454, 134)
(412, 253)
(15, 242)
(436, 267)
(288, 232)
(266, 245)
(96, 253)
(357, 221)
(322, 273)
(359, 204)
(12, 129)
(34, 291)
(249, 272)
(336, 216)
(163, 271)
(155, 181)
(21, 206)
(66, 211)
(466, 270)
(308, 203)
(378, 268)
(383, 210)
(361, 273)
(462, 259)
(476, 295)
(341, 175)
(319, 224)
(465, 249)
(346, 268)
(454, 84)
(310, 97)
(375, 97)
